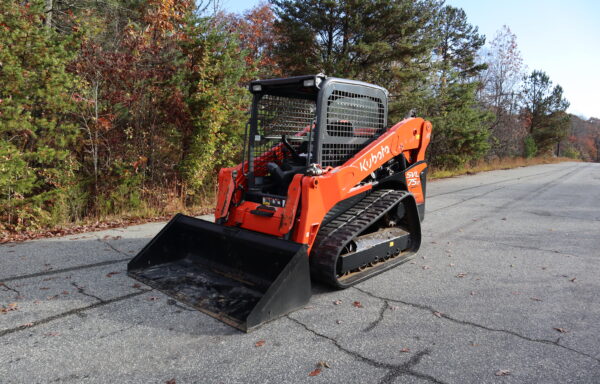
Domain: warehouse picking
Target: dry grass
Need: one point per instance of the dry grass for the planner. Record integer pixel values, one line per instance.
(497, 164)
(151, 211)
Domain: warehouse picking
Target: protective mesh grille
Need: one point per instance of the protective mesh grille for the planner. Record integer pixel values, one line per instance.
(337, 154)
(351, 115)
(279, 116)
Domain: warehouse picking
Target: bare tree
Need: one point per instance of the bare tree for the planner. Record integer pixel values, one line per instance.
(500, 92)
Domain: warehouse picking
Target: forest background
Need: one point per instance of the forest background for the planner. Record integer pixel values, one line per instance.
(117, 110)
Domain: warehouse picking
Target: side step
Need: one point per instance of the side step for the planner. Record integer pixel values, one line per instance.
(240, 277)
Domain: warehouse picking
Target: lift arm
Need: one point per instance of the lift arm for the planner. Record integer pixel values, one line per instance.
(409, 137)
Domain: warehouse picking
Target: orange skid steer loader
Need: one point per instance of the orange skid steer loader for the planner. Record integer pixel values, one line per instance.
(325, 190)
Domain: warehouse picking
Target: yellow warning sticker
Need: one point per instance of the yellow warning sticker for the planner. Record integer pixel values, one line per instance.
(391, 243)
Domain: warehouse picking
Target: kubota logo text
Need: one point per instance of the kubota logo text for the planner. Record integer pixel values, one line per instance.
(375, 158)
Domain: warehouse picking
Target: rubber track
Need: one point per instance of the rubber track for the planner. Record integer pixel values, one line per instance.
(332, 238)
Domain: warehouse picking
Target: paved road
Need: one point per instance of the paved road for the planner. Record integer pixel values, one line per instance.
(507, 279)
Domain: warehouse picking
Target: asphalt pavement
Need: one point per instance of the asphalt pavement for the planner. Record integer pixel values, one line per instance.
(505, 289)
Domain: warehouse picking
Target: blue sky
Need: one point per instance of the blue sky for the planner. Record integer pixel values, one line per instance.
(561, 38)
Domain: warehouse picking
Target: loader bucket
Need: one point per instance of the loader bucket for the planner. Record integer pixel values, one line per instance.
(240, 277)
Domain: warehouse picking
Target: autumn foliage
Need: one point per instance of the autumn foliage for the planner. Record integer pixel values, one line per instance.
(127, 108)
(131, 123)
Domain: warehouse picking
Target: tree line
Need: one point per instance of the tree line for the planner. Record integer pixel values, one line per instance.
(129, 107)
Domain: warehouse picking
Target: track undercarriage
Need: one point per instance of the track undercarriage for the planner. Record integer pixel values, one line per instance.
(379, 232)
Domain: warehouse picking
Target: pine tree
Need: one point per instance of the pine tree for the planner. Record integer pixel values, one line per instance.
(460, 133)
(386, 42)
(36, 166)
(544, 111)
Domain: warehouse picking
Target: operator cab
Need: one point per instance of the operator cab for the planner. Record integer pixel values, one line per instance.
(285, 135)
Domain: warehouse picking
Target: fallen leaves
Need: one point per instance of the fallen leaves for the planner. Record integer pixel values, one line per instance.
(425, 267)
(404, 350)
(9, 308)
(27, 325)
(52, 334)
(535, 299)
(337, 302)
(502, 372)
(259, 343)
(320, 365)
(561, 330)
(109, 237)
(172, 381)
(111, 274)
(573, 280)
(153, 298)
(10, 237)
(81, 237)
(136, 285)
(461, 275)
(357, 304)
(438, 314)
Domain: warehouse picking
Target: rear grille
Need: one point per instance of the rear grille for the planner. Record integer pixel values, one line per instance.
(350, 117)
(353, 115)
(337, 154)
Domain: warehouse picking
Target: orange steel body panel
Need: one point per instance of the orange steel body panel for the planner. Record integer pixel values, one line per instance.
(318, 194)
(413, 182)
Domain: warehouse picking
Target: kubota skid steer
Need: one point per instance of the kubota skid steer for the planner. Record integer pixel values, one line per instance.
(326, 190)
